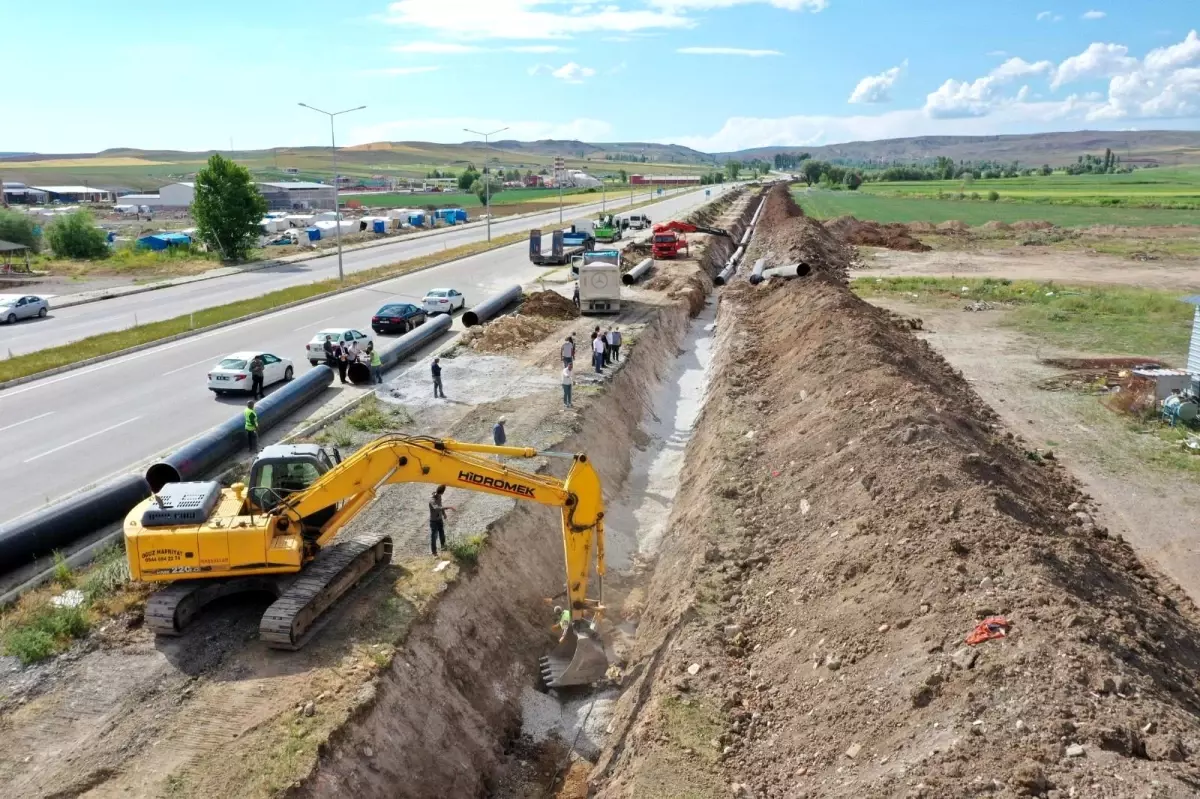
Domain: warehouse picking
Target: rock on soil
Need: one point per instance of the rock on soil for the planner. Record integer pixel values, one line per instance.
(894, 236)
(549, 305)
(924, 515)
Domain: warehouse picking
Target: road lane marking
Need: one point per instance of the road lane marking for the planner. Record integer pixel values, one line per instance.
(81, 440)
(26, 421)
(190, 365)
(312, 324)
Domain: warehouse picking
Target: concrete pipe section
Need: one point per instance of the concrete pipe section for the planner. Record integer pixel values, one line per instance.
(492, 306)
(637, 273)
(791, 270)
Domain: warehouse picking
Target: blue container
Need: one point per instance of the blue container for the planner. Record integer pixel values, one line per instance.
(314, 233)
(380, 226)
(416, 220)
(460, 215)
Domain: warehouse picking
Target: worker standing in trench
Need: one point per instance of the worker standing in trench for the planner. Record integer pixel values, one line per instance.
(251, 425)
(437, 520)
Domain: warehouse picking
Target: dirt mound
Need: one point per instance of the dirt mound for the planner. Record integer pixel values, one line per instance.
(634, 253)
(788, 236)
(893, 236)
(851, 512)
(1032, 224)
(994, 225)
(508, 333)
(549, 305)
(922, 227)
(952, 226)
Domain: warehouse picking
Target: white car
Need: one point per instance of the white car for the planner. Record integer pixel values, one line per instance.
(443, 301)
(232, 373)
(338, 335)
(22, 306)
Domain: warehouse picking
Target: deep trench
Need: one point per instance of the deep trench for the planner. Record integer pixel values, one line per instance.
(444, 719)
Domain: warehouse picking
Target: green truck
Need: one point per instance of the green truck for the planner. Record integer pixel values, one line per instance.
(607, 228)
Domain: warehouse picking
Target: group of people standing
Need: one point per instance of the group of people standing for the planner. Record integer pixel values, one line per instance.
(606, 347)
(339, 356)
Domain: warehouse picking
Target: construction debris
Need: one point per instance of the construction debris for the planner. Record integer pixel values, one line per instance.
(509, 334)
(549, 305)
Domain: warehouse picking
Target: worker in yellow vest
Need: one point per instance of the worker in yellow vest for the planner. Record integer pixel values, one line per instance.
(251, 417)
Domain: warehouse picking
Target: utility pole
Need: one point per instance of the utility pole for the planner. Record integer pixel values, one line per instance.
(487, 182)
(337, 211)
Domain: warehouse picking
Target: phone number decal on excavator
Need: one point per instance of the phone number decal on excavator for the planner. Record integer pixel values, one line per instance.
(499, 485)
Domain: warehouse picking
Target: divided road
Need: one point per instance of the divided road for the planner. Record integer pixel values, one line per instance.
(68, 431)
(65, 325)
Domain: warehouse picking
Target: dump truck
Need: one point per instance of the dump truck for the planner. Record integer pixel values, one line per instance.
(564, 244)
(599, 288)
(607, 228)
(595, 256)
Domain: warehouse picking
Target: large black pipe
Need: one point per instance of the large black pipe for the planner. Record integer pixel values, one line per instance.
(414, 339)
(492, 306)
(203, 453)
(725, 275)
(30, 537)
(636, 274)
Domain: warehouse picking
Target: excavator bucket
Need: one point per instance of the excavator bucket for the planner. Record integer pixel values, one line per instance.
(576, 660)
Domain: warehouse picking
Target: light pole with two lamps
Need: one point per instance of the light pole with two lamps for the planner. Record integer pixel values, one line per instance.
(337, 212)
(487, 182)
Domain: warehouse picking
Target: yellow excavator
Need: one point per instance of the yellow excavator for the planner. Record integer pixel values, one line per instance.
(279, 534)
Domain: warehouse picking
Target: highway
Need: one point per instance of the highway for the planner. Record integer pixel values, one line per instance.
(65, 325)
(68, 431)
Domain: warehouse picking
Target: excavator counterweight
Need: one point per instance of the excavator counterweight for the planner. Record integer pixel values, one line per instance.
(280, 535)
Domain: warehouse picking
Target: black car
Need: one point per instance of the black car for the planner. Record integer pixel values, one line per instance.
(397, 317)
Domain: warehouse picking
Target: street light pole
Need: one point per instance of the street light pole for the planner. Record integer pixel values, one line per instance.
(487, 183)
(337, 211)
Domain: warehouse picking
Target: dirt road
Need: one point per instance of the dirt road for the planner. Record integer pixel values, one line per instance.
(1032, 263)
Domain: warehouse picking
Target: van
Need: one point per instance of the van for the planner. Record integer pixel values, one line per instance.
(635, 221)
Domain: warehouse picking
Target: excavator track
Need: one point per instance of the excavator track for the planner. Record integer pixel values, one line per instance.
(298, 613)
(170, 610)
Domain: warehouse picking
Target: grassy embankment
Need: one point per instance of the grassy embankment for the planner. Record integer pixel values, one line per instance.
(1090, 320)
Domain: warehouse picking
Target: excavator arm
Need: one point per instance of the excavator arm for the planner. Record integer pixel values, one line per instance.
(688, 227)
(579, 657)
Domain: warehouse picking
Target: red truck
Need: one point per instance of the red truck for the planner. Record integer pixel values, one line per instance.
(669, 241)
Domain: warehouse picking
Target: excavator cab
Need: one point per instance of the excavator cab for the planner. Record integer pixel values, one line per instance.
(281, 470)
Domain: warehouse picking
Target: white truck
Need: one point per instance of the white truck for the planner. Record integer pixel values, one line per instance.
(599, 288)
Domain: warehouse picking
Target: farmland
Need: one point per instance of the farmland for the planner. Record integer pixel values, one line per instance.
(879, 207)
(467, 200)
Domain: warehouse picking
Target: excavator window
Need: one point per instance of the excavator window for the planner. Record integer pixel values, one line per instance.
(272, 481)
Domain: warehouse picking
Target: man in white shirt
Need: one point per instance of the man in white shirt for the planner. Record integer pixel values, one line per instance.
(568, 378)
(598, 352)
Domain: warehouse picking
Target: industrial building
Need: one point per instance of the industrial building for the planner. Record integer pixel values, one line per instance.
(665, 180)
(297, 195)
(74, 194)
(20, 194)
(173, 195)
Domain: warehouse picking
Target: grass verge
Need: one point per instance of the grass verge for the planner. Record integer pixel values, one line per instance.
(36, 628)
(116, 341)
(1088, 319)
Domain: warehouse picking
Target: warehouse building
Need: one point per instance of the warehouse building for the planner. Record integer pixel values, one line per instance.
(297, 195)
(173, 195)
(665, 180)
(20, 194)
(74, 194)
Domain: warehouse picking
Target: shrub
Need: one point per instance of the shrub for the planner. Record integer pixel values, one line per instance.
(76, 236)
(466, 552)
(19, 229)
(993, 195)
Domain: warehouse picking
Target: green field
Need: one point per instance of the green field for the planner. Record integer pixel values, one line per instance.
(1168, 187)
(823, 204)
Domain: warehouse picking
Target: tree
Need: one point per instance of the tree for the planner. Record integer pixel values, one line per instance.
(624, 175)
(468, 178)
(479, 188)
(1046, 170)
(19, 229)
(227, 207)
(812, 171)
(732, 168)
(993, 195)
(853, 180)
(75, 235)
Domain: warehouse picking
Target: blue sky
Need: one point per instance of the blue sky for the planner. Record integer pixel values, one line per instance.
(713, 74)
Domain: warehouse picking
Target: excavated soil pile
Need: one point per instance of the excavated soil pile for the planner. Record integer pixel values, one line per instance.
(994, 225)
(1032, 224)
(782, 239)
(921, 227)
(893, 236)
(509, 333)
(851, 510)
(633, 254)
(549, 305)
(952, 226)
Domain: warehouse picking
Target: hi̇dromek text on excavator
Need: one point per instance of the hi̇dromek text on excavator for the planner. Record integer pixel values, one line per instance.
(668, 239)
(278, 535)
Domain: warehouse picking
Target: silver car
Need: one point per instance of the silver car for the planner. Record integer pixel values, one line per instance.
(22, 306)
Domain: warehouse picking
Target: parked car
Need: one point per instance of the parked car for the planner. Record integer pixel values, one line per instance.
(397, 317)
(443, 301)
(22, 306)
(343, 335)
(232, 373)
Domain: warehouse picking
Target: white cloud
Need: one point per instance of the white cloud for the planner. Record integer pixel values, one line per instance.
(957, 99)
(1176, 56)
(528, 19)
(1049, 15)
(1094, 15)
(573, 73)
(786, 5)
(392, 72)
(1164, 84)
(445, 48)
(1020, 68)
(877, 88)
(726, 51)
(450, 129)
(1099, 60)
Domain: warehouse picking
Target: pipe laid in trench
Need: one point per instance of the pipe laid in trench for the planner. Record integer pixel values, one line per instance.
(746, 236)
(492, 306)
(638, 272)
(756, 274)
(725, 275)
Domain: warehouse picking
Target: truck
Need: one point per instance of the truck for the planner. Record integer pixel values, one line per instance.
(599, 288)
(607, 228)
(564, 245)
(595, 256)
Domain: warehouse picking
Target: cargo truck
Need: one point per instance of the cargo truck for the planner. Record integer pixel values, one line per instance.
(599, 288)
(595, 256)
(564, 244)
(607, 228)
